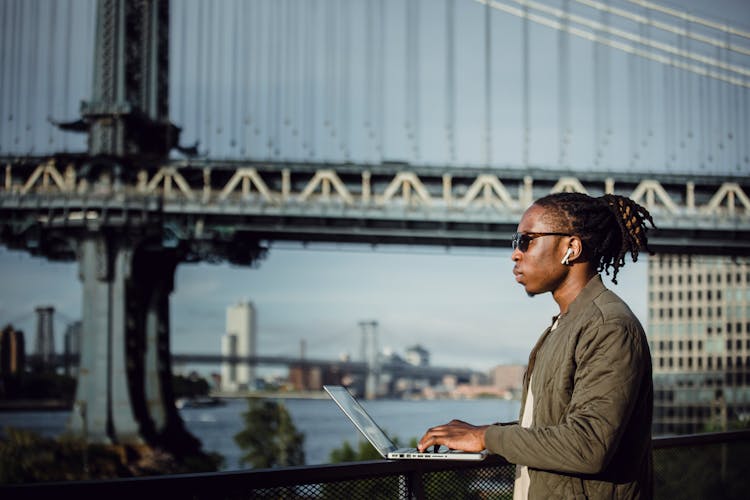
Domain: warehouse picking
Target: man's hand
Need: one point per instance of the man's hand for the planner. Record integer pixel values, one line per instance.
(456, 435)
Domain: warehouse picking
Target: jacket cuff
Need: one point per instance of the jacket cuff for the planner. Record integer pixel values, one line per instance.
(493, 438)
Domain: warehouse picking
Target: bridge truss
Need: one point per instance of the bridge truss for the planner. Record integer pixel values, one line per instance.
(209, 210)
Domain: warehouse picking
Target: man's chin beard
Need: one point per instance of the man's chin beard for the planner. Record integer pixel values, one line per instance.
(531, 294)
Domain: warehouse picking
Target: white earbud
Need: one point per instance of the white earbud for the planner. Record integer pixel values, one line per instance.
(566, 257)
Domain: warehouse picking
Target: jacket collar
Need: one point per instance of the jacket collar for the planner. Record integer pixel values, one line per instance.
(592, 290)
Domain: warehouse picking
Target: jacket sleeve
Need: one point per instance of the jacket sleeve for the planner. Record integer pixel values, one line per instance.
(611, 365)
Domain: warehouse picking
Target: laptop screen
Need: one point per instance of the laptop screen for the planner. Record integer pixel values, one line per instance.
(360, 418)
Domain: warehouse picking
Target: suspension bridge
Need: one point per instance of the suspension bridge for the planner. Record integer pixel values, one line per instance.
(139, 135)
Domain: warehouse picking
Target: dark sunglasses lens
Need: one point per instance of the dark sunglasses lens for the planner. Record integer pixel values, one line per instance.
(520, 241)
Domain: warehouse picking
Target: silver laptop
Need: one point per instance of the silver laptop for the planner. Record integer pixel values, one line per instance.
(375, 435)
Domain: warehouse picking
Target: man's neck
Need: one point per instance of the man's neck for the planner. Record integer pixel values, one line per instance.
(569, 289)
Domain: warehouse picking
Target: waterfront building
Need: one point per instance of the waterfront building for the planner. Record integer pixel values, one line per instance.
(699, 336)
(240, 340)
(508, 378)
(12, 360)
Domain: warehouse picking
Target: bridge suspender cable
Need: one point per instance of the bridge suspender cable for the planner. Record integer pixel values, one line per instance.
(450, 78)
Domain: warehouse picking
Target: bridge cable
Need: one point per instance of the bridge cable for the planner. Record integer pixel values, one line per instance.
(32, 68)
(624, 47)
(16, 50)
(563, 92)
(235, 106)
(637, 39)
(634, 109)
(52, 31)
(691, 18)
(200, 45)
(670, 28)
(5, 78)
(345, 139)
(330, 58)
(310, 64)
(450, 78)
(526, 90)
(487, 85)
(369, 29)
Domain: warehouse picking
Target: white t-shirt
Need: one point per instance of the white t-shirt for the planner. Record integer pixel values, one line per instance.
(522, 482)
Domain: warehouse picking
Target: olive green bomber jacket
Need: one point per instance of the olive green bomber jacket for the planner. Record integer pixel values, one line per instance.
(593, 397)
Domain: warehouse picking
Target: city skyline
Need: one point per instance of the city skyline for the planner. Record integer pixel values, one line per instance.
(462, 305)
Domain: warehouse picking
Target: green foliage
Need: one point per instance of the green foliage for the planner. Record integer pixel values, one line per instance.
(26, 457)
(42, 385)
(189, 387)
(270, 438)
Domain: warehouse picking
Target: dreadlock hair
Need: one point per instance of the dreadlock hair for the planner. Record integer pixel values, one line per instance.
(609, 226)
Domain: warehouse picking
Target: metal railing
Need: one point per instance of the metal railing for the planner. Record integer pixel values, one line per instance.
(713, 465)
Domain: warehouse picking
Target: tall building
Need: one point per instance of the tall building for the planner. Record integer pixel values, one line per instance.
(72, 347)
(45, 337)
(240, 340)
(12, 360)
(699, 335)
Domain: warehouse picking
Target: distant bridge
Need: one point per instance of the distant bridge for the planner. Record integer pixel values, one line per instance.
(396, 369)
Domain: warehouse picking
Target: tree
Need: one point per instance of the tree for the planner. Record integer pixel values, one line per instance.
(270, 438)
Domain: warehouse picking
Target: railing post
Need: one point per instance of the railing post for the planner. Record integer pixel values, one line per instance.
(414, 484)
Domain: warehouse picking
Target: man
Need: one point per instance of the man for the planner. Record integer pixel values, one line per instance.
(585, 423)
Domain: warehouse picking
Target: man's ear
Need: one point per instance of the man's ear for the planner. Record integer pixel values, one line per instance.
(576, 247)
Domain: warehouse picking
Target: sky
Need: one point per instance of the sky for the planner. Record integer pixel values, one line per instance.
(460, 304)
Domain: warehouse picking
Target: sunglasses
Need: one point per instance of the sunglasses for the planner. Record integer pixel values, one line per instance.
(521, 240)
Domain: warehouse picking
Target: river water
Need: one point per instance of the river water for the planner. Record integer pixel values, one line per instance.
(323, 424)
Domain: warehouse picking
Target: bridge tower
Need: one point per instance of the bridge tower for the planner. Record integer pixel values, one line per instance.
(369, 353)
(124, 392)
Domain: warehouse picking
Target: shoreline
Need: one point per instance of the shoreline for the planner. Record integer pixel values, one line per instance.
(7, 405)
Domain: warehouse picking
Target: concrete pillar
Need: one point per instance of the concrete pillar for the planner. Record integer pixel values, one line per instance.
(124, 392)
(102, 382)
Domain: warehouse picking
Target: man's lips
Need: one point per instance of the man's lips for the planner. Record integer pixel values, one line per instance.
(518, 274)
